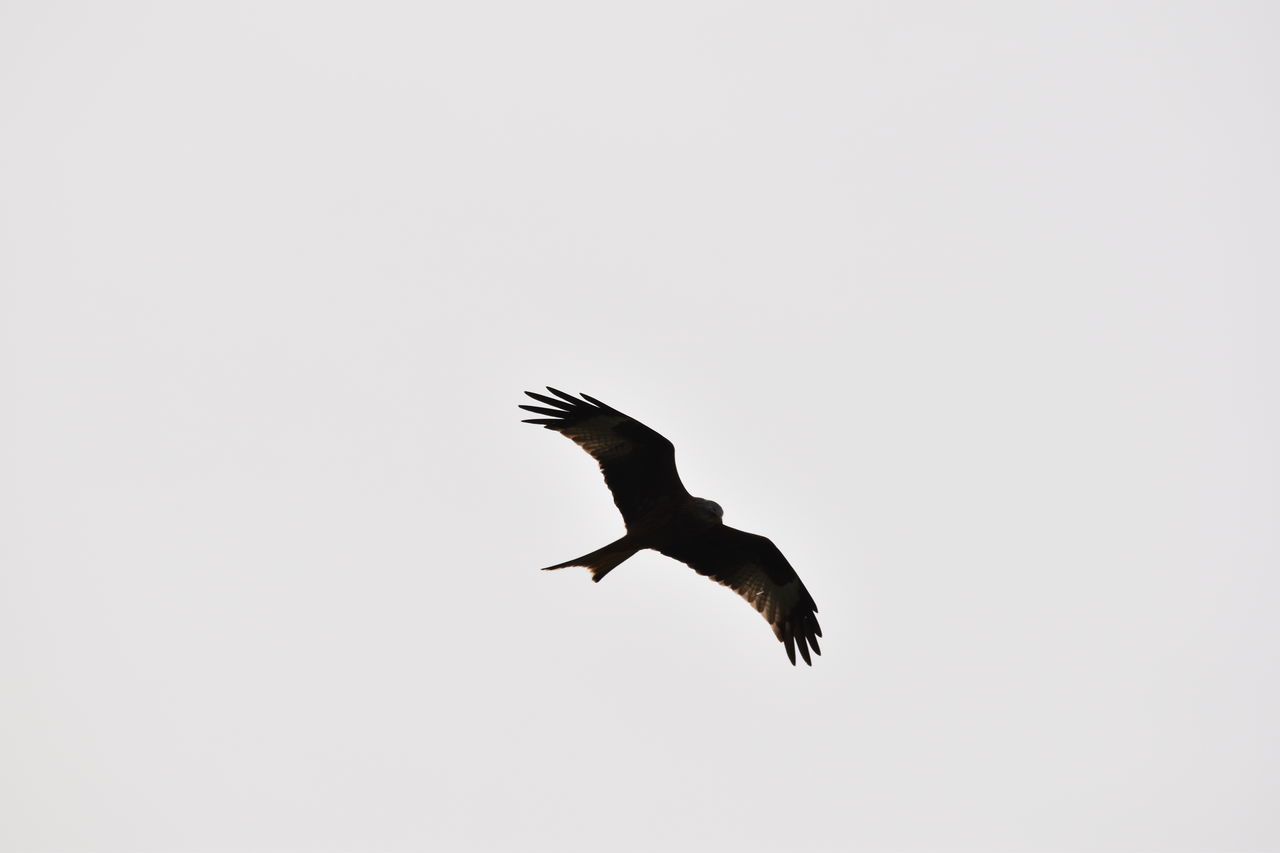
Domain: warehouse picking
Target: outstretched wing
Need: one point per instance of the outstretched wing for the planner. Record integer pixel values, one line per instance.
(753, 567)
(639, 465)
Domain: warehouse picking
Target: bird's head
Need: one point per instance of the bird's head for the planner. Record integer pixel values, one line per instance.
(711, 508)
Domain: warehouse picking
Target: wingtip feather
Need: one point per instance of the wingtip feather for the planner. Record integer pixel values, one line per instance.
(540, 410)
(550, 401)
(569, 398)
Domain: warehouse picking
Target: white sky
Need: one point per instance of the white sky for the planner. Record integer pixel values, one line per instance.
(971, 308)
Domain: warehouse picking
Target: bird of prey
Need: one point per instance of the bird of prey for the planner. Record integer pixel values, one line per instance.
(639, 467)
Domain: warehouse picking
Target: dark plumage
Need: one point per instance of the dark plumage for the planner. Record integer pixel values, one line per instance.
(639, 467)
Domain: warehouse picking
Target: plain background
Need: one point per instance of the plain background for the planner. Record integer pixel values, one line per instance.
(971, 308)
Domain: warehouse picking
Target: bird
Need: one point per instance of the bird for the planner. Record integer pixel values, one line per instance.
(639, 467)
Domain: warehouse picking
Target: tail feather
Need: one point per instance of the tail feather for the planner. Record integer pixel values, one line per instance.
(601, 561)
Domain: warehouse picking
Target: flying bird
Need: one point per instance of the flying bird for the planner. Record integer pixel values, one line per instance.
(639, 467)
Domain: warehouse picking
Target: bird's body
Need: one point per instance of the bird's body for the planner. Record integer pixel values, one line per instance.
(639, 468)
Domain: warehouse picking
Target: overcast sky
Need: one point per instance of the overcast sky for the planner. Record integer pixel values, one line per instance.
(971, 308)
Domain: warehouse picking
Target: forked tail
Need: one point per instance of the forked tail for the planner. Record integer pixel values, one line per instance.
(603, 561)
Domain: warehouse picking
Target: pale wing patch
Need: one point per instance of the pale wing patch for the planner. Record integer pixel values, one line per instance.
(600, 437)
(764, 595)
